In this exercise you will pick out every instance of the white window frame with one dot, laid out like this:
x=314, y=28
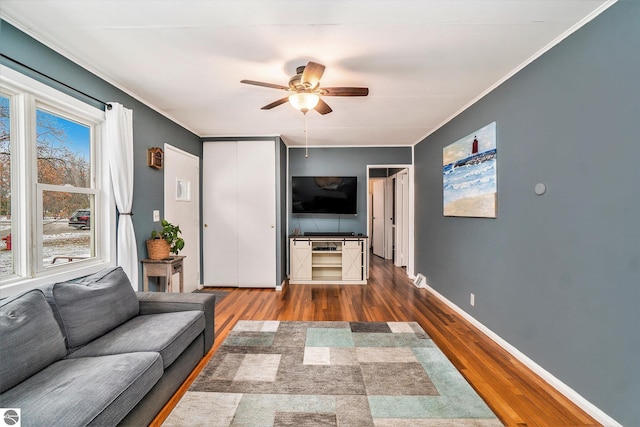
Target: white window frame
x=26, y=95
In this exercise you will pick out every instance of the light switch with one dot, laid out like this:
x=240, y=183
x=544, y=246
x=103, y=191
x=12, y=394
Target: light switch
x=156, y=216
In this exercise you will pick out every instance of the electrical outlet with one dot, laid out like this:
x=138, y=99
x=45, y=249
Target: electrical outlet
x=472, y=300
x=156, y=216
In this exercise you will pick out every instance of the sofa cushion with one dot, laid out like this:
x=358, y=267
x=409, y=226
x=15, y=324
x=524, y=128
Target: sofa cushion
x=92, y=306
x=167, y=333
x=86, y=391
x=164, y=302
x=30, y=338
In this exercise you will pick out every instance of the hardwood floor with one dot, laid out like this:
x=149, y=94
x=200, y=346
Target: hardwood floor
x=517, y=395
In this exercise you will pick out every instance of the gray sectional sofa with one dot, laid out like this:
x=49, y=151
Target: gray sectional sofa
x=94, y=352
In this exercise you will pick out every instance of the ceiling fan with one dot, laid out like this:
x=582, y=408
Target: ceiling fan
x=305, y=90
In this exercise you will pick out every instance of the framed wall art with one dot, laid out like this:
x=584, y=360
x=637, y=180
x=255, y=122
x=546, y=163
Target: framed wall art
x=469, y=175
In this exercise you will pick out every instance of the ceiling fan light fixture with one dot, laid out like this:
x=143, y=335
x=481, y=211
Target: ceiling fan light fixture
x=304, y=101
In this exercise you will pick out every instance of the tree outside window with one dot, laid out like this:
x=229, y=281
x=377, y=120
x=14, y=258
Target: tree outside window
x=63, y=153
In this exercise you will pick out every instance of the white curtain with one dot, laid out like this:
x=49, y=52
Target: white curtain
x=120, y=148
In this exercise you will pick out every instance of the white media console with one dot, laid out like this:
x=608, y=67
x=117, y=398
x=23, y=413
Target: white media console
x=331, y=260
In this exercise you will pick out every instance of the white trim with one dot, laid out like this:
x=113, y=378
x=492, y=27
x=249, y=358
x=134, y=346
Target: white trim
x=348, y=146
x=213, y=138
x=564, y=389
x=92, y=70
x=584, y=21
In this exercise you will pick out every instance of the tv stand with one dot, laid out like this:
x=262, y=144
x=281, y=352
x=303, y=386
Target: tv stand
x=329, y=259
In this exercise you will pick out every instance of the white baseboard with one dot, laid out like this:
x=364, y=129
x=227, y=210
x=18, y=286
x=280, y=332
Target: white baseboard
x=567, y=391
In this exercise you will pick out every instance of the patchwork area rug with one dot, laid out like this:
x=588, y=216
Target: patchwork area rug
x=306, y=374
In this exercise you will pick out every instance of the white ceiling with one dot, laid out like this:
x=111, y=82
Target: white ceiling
x=423, y=61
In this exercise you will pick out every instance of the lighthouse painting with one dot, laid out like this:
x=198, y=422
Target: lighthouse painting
x=469, y=178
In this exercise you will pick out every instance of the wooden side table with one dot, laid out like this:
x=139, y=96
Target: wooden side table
x=162, y=268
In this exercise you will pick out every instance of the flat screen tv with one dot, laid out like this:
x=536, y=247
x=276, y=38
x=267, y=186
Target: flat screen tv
x=324, y=194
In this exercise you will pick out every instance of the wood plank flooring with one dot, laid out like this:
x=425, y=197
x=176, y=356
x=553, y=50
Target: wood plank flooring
x=516, y=394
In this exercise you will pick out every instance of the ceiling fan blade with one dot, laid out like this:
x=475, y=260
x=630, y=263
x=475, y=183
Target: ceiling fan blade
x=275, y=103
x=323, y=107
x=312, y=73
x=345, y=91
x=271, y=85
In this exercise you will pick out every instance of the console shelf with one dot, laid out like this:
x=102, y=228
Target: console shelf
x=328, y=260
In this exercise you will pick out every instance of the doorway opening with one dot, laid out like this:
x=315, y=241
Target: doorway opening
x=390, y=213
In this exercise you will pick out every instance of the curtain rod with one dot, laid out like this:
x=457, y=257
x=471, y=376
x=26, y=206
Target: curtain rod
x=106, y=104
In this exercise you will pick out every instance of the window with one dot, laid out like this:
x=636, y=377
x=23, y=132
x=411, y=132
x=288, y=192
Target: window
x=6, y=252
x=65, y=195
x=56, y=206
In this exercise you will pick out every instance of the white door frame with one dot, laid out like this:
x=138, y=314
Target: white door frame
x=411, y=213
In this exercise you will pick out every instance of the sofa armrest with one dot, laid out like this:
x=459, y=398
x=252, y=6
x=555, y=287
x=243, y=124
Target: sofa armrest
x=161, y=302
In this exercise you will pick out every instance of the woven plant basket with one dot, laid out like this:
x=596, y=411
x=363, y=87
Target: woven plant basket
x=158, y=249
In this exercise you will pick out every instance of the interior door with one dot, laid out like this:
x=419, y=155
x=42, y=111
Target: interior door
x=378, y=218
x=402, y=219
x=389, y=226
x=405, y=218
x=256, y=214
x=182, y=207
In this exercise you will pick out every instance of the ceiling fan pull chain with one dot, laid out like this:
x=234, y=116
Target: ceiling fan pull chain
x=306, y=142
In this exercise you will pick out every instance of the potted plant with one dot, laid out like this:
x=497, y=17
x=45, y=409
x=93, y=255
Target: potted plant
x=165, y=241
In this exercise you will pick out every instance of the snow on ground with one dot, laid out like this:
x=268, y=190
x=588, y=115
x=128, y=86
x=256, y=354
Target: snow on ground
x=58, y=240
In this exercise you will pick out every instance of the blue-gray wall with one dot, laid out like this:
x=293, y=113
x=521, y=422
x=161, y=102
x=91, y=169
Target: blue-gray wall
x=557, y=275
x=150, y=129
x=344, y=161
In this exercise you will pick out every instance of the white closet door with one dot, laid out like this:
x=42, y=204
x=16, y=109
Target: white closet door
x=256, y=214
x=220, y=213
